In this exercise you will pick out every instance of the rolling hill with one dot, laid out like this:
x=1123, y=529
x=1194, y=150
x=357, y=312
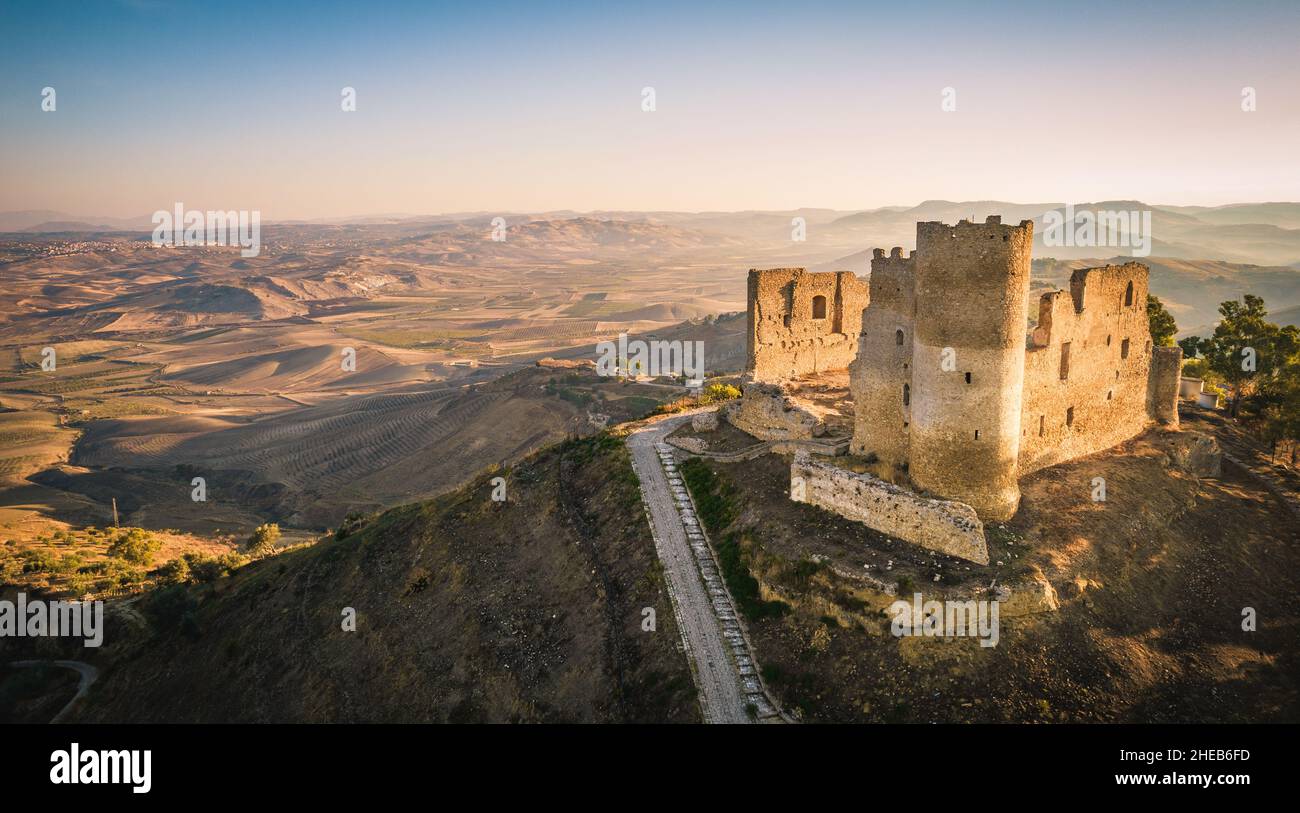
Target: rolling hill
x=467, y=610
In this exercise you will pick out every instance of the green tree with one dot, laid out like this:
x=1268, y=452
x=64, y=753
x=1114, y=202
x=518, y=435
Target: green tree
x=177, y=571
x=1247, y=350
x=1162, y=323
x=1191, y=346
x=1277, y=405
x=263, y=540
x=135, y=545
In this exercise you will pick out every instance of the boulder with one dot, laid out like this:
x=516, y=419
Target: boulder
x=1036, y=595
x=1196, y=453
x=705, y=421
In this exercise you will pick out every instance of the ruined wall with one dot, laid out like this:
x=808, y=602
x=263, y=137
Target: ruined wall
x=767, y=412
x=948, y=527
x=1164, y=383
x=968, y=352
x=880, y=377
x=802, y=323
x=1087, y=367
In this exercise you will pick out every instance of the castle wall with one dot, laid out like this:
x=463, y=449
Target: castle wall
x=880, y=378
x=1164, y=384
x=1090, y=396
x=786, y=338
x=968, y=353
x=940, y=525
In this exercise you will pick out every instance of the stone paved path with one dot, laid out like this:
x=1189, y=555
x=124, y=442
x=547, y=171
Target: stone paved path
x=720, y=656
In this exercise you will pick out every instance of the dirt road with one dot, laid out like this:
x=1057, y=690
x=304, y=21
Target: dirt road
x=89, y=675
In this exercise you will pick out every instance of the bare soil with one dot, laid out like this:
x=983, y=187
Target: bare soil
x=468, y=610
x=1153, y=584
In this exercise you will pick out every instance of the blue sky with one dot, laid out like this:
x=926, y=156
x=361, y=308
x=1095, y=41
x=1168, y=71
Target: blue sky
x=511, y=107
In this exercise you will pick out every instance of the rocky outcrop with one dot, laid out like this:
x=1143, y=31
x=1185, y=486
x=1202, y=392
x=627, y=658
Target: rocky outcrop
x=1196, y=453
x=1030, y=597
x=768, y=412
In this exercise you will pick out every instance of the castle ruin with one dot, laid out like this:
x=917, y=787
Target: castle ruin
x=947, y=385
x=950, y=388
x=801, y=323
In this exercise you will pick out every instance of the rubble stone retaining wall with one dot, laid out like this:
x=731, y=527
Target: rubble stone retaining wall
x=940, y=525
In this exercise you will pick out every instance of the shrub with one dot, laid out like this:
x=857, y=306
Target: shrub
x=169, y=606
x=353, y=522
x=262, y=542
x=135, y=545
x=39, y=561
x=69, y=563
x=718, y=392
x=177, y=571
x=206, y=569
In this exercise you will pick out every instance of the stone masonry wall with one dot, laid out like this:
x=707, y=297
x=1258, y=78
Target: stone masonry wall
x=880, y=378
x=940, y=525
x=1163, y=384
x=968, y=351
x=1086, y=379
x=801, y=323
x=1087, y=367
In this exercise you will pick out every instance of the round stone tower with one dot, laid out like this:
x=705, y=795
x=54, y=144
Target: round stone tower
x=968, y=362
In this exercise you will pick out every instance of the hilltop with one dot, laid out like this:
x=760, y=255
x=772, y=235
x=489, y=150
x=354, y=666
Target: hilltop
x=467, y=610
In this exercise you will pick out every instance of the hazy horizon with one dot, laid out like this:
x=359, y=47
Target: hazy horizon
x=325, y=219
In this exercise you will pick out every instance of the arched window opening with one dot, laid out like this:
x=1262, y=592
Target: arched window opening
x=1128, y=296
x=898, y=338
x=907, y=395
x=819, y=307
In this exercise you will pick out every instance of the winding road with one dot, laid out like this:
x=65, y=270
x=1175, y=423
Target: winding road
x=89, y=674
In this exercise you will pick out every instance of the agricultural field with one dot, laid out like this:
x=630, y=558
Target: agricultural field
x=344, y=370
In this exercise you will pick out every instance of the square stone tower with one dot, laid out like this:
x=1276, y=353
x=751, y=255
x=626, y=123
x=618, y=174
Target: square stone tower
x=801, y=323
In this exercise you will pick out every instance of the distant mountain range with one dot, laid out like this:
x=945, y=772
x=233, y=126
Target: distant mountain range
x=1199, y=256
x=1255, y=233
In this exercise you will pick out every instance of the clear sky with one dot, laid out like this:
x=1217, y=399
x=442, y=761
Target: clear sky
x=500, y=106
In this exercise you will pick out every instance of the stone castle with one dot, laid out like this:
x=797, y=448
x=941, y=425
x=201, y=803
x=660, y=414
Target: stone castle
x=949, y=386
x=801, y=323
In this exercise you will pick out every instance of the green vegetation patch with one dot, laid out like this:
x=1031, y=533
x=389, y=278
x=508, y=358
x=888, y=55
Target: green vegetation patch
x=714, y=499
x=715, y=504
